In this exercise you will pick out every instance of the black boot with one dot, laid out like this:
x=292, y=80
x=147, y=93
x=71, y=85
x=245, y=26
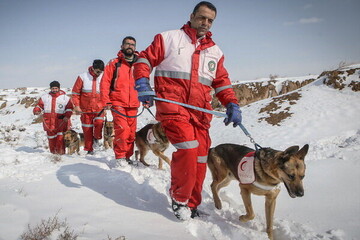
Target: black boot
x=181, y=211
x=194, y=213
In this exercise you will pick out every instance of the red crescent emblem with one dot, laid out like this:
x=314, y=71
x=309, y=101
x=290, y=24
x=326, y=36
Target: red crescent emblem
x=241, y=165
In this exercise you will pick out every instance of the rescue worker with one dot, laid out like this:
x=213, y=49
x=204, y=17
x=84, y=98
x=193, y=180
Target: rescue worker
x=86, y=99
x=118, y=94
x=56, y=107
x=188, y=64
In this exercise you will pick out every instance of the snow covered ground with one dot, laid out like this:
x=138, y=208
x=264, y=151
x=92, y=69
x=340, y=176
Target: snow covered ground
x=101, y=203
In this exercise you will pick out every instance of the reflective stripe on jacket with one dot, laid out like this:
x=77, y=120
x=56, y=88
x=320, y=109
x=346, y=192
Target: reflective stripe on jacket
x=86, y=92
x=187, y=69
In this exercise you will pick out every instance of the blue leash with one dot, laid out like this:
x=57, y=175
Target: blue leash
x=215, y=113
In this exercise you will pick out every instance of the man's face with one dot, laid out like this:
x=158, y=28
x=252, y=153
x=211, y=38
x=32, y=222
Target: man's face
x=97, y=71
x=128, y=48
x=202, y=20
x=54, y=89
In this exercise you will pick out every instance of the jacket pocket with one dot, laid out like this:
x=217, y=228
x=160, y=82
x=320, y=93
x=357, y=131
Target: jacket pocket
x=169, y=93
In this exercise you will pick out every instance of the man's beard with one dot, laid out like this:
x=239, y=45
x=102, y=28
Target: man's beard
x=128, y=53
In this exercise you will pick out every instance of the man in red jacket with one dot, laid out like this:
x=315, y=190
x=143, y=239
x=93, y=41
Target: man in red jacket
x=188, y=65
x=57, y=109
x=86, y=99
x=118, y=94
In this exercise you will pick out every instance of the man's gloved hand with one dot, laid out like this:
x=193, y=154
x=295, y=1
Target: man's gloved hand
x=233, y=113
x=145, y=93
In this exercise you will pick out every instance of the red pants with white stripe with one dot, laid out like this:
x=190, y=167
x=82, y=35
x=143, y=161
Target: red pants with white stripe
x=56, y=142
x=92, y=128
x=188, y=165
x=125, y=130
x=56, y=137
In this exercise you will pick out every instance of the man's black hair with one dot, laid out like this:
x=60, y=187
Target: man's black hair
x=54, y=84
x=204, y=3
x=128, y=37
x=98, y=64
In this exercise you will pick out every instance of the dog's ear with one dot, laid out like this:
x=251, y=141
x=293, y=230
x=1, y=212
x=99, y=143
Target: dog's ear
x=291, y=150
x=303, y=151
x=285, y=155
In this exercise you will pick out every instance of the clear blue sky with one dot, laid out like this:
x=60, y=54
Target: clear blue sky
x=46, y=40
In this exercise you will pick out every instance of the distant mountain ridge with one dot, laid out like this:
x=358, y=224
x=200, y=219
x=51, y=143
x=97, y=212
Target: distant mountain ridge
x=253, y=91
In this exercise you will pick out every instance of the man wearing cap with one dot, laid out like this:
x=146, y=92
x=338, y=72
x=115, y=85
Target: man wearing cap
x=57, y=109
x=86, y=99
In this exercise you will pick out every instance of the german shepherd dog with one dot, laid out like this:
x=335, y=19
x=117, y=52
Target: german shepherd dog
x=109, y=134
x=271, y=167
x=152, y=137
x=73, y=141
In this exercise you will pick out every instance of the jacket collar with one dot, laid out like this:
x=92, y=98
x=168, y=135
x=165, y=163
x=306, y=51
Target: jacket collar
x=60, y=92
x=121, y=57
x=205, y=42
x=92, y=73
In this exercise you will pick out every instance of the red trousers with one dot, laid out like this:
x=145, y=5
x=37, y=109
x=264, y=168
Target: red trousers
x=56, y=137
x=188, y=165
x=56, y=142
x=92, y=128
x=125, y=130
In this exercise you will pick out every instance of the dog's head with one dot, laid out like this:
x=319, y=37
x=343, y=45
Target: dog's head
x=289, y=167
x=69, y=137
x=109, y=128
x=157, y=128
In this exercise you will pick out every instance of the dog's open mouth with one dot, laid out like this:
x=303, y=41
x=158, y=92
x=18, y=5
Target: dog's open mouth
x=291, y=194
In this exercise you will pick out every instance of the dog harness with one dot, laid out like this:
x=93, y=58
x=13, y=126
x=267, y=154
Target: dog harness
x=246, y=172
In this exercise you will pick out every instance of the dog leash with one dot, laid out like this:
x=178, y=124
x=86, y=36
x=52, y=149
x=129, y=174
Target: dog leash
x=116, y=111
x=98, y=113
x=148, y=108
x=215, y=113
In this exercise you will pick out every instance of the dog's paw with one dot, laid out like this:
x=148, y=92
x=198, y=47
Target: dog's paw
x=246, y=218
x=218, y=206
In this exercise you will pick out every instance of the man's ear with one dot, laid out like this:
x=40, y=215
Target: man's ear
x=191, y=16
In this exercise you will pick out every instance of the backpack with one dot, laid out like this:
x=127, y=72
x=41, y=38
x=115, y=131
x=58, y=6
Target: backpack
x=117, y=65
x=112, y=85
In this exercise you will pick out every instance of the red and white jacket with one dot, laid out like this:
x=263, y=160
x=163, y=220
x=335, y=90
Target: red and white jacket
x=187, y=69
x=86, y=92
x=55, y=106
x=123, y=93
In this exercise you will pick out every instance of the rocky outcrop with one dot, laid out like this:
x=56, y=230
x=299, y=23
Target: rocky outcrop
x=341, y=78
x=250, y=92
x=289, y=86
x=284, y=91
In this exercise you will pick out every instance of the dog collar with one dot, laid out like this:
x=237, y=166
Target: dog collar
x=265, y=187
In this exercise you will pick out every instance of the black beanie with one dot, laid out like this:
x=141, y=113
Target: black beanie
x=54, y=84
x=98, y=64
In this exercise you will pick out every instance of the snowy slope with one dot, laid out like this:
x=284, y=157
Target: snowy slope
x=99, y=202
